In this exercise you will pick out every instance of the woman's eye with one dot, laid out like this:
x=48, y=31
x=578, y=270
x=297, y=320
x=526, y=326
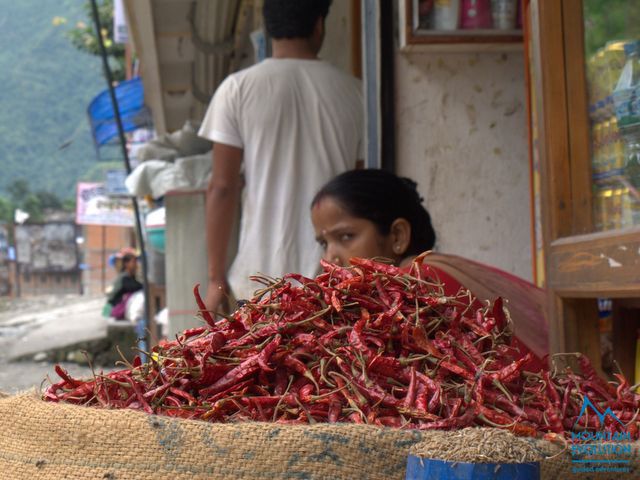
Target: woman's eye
x=323, y=244
x=345, y=237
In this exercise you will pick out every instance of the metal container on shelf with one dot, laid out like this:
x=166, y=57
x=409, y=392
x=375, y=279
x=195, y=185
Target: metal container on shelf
x=504, y=14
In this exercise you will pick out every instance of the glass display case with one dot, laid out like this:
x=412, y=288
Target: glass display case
x=461, y=22
x=612, y=65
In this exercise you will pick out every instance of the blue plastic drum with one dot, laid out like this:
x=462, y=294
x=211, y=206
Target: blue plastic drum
x=427, y=469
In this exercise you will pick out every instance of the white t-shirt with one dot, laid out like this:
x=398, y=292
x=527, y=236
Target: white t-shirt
x=300, y=123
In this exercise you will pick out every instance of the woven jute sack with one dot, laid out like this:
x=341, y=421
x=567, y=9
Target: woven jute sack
x=41, y=440
x=54, y=441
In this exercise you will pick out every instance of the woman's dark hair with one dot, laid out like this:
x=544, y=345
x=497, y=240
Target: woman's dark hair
x=293, y=18
x=382, y=197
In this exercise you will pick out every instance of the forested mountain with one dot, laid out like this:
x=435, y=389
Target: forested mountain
x=46, y=85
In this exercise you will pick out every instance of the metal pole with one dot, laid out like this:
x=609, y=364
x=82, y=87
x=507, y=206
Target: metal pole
x=371, y=50
x=103, y=267
x=143, y=341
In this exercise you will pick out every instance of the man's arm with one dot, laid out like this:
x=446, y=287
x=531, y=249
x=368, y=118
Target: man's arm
x=222, y=201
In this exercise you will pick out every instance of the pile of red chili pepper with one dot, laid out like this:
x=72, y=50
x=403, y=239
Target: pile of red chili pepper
x=370, y=343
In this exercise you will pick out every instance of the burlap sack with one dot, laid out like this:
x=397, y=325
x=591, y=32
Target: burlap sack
x=49, y=441
x=46, y=441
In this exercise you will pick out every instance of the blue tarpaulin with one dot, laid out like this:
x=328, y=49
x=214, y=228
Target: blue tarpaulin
x=133, y=113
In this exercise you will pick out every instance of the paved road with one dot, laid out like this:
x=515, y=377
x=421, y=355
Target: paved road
x=30, y=327
x=19, y=376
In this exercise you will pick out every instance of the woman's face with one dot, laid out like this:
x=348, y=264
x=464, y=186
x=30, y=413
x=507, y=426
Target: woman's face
x=343, y=236
x=131, y=265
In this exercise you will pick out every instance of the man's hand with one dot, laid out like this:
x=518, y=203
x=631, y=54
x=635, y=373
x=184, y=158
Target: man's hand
x=217, y=299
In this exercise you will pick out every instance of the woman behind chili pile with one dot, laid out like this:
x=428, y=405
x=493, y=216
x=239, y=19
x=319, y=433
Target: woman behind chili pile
x=371, y=213
x=374, y=213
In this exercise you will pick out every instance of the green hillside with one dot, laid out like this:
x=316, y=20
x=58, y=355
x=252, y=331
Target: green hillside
x=45, y=88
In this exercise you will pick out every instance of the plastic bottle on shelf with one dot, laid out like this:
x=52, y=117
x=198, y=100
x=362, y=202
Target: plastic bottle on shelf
x=602, y=206
x=476, y=14
x=598, y=208
x=613, y=63
x=627, y=208
x=605, y=144
x=616, y=160
x=632, y=172
x=599, y=80
x=628, y=87
x=605, y=321
x=446, y=14
x=596, y=139
x=615, y=220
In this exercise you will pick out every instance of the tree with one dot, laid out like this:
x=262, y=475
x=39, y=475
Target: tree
x=6, y=210
x=34, y=203
x=607, y=20
x=69, y=205
x=18, y=191
x=48, y=200
x=33, y=207
x=84, y=37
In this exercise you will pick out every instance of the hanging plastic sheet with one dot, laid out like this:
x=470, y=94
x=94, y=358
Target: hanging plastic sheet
x=133, y=113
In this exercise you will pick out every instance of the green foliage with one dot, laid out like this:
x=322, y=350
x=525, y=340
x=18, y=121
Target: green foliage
x=48, y=200
x=84, y=37
x=47, y=85
x=34, y=203
x=607, y=20
x=6, y=210
x=18, y=191
x=69, y=205
x=33, y=207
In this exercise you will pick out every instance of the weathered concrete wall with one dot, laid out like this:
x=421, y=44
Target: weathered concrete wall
x=336, y=48
x=462, y=135
x=186, y=258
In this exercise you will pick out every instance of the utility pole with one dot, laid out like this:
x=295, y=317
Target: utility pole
x=142, y=333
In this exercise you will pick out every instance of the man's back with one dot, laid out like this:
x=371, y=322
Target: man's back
x=299, y=123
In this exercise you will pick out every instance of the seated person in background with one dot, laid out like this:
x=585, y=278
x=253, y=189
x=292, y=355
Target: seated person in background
x=124, y=285
x=374, y=213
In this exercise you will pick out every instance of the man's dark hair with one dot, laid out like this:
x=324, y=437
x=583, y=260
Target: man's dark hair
x=382, y=197
x=293, y=18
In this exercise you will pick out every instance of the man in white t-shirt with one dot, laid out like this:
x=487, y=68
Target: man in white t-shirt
x=291, y=122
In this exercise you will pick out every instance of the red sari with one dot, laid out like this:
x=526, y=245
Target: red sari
x=525, y=302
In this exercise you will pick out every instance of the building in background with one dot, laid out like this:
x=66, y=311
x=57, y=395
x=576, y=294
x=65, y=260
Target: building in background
x=47, y=260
